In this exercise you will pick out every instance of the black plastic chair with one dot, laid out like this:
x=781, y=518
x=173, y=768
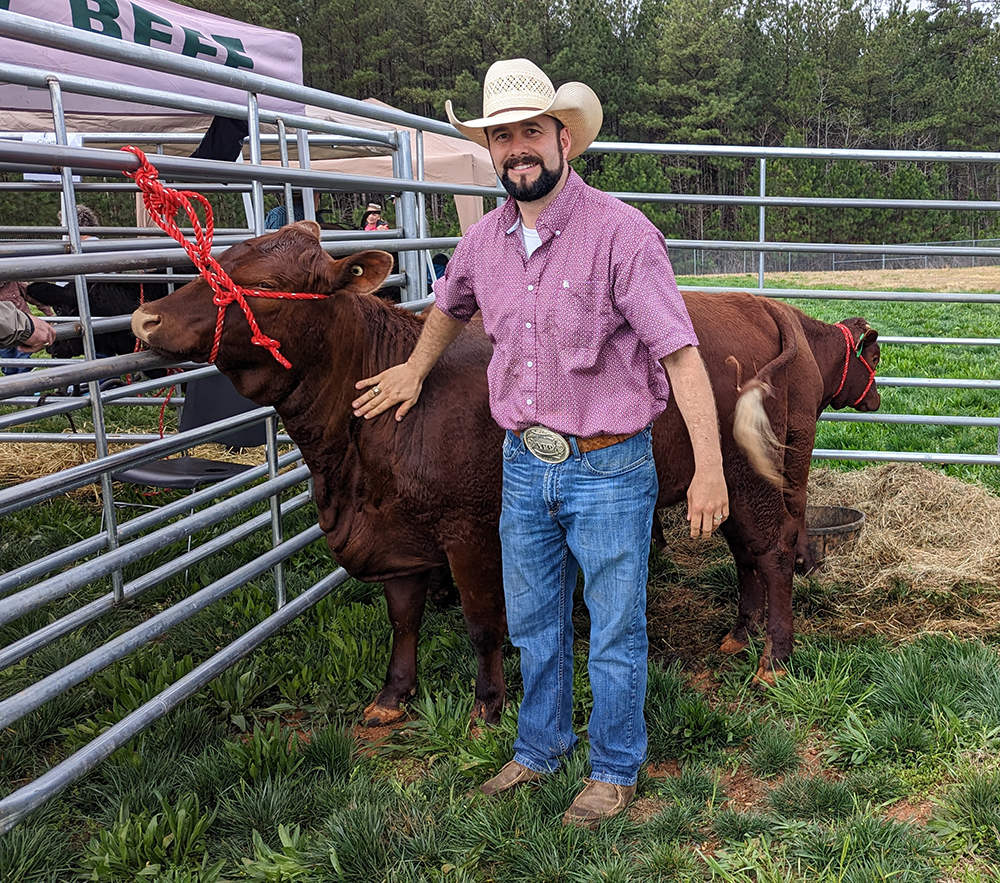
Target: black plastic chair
x=205, y=401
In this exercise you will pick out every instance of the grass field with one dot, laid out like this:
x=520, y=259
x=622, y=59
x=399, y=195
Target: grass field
x=874, y=760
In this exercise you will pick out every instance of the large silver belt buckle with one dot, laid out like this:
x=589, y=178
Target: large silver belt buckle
x=548, y=446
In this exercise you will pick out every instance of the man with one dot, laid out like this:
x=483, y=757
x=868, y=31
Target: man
x=277, y=217
x=578, y=296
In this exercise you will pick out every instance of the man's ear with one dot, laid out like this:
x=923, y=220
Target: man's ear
x=565, y=141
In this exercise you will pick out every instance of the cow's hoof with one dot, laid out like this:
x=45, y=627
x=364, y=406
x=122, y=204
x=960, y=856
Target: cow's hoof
x=383, y=715
x=767, y=675
x=731, y=646
x=482, y=714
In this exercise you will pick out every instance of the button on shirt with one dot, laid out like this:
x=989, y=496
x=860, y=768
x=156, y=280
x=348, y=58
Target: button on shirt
x=579, y=327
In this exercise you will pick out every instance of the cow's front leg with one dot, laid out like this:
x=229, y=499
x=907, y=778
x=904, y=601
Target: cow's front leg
x=480, y=583
x=406, y=597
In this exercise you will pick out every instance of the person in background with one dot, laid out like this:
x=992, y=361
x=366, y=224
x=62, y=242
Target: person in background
x=591, y=337
x=372, y=218
x=85, y=217
x=277, y=217
x=13, y=293
x=28, y=333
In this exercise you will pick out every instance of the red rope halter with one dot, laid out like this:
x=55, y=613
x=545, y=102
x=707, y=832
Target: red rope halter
x=847, y=364
x=163, y=203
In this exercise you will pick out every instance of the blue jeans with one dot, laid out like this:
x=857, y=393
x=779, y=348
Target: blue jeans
x=592, y=512
x=12, y=352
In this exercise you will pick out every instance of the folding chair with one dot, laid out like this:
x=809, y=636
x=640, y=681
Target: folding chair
x=205, y=401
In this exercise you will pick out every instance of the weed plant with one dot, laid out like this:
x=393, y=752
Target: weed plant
x=773, y=752
x=731, y=826
x=867, y=849
x=35, y=852
x=695, y=787
x=969, y=816
x=680, y=722
x=331, y=751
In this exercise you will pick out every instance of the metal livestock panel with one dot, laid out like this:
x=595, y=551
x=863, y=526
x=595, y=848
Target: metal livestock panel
x=279, y=480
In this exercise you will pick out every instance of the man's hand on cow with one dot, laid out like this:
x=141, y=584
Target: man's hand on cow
x=398, y=385
x=708, y=502
x=41, y=337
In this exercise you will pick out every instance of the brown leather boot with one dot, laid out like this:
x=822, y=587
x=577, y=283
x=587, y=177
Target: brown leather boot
x=512, y=775
x=596, y=802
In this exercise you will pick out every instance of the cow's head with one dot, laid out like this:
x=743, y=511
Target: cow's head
x=861, y=357
x=182, y=325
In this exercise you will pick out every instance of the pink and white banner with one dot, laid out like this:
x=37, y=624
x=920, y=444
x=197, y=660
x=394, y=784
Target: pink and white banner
x=161, y=25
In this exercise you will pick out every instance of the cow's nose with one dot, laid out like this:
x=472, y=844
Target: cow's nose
x=143, y=323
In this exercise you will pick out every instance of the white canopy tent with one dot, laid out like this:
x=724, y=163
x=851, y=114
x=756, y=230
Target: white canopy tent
x=447, y=160
x=163, y=24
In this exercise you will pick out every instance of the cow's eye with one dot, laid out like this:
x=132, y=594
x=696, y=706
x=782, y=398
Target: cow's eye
x=357, y=270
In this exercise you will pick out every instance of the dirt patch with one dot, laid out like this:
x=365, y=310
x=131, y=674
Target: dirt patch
x=958, y=279
x=371, y=740
x=744, y=792
x=918, y=813
x=669, y=769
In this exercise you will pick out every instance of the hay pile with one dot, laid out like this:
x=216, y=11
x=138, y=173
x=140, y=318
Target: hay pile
x=922, y=527
x=23, y=461
x=926, y=560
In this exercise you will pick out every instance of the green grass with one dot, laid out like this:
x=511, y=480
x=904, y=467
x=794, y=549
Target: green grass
x=261, y=776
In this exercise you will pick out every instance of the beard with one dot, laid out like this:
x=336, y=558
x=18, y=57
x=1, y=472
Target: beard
x=541, y=187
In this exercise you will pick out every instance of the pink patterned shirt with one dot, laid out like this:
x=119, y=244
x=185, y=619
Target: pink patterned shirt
x=579, y=327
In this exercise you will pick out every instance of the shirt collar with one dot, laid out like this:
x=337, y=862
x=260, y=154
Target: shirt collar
x=554, y=216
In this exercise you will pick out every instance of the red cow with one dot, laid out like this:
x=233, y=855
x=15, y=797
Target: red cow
x=397, y=501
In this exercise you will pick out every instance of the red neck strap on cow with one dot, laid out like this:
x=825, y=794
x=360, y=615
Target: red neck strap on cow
x=162, y=203
x=847, y=363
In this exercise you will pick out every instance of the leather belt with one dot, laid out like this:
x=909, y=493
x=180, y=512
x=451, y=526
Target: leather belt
x=554, y=448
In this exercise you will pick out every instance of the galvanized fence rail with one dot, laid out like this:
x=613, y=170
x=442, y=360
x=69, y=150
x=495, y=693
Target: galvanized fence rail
x=59, y=252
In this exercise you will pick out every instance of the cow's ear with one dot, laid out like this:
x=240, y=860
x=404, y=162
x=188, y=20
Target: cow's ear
x=871, y=335
x=361, y=273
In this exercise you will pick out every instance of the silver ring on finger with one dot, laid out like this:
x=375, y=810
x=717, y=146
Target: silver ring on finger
x=375, y=391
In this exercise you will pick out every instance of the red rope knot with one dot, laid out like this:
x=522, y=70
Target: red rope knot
x=163, y=203
x=849, y=339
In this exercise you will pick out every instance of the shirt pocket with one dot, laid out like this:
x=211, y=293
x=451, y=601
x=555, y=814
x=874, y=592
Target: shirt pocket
x=579, y=313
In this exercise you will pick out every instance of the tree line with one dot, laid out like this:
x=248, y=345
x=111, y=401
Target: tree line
x=815, y=73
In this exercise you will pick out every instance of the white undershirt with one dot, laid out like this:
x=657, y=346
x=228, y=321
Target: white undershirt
x=531, y=239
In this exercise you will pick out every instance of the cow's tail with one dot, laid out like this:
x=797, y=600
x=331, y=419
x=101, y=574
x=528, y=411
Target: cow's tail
x=751, y=427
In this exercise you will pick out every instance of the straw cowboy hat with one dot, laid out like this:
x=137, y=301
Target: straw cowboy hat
x=518, y=90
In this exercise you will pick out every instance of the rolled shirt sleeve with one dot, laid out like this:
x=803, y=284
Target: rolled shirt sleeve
x=15, y=327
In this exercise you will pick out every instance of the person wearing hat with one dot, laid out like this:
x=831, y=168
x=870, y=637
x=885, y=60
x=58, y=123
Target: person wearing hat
x=591, y=337
x=277, y=217
x=372, y=218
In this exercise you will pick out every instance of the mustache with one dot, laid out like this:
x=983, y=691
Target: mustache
x=510, y=163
